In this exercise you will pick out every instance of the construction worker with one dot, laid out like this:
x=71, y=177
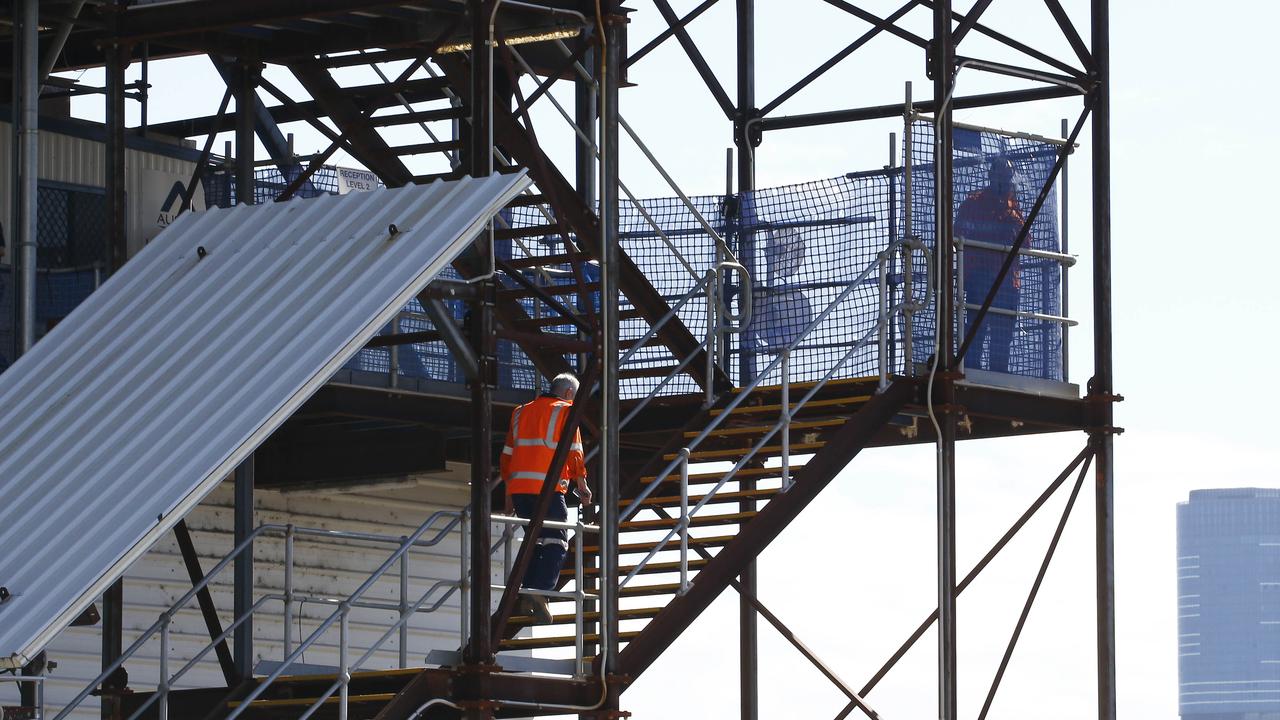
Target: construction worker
x=526, y=457
x=992, y=216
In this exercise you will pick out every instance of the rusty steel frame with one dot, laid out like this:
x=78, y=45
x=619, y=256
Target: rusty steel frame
x=1087, y=77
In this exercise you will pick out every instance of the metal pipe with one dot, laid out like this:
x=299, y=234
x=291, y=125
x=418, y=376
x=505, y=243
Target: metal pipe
x=684, y=520
x=942, y=70
x=404, y=608
x=288, y=590
x=612, y=58
x=28, y=117
x=1102, y=389
x=786, y=419
x=580, y=595
x=163, y=690
x=242, y=646
x=344, y=667
x=1066, y=250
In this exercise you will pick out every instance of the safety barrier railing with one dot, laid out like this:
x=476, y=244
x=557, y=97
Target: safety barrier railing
x=406, y=607
x=35, y=680
x=962, y=244
x=888, y=311
x=162, y=627
x=578, y=595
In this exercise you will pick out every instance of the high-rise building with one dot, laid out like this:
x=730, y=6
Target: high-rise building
x=1229, y=605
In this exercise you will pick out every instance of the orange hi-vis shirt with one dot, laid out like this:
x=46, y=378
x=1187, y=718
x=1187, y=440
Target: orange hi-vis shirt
x=531, y=445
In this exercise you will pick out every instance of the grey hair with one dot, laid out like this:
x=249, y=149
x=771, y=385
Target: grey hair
x=563, y=383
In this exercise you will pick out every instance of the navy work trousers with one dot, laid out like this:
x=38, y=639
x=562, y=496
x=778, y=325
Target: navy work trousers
x=552, y=546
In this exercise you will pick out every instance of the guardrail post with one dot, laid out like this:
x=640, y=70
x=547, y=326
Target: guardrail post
x=163, y=689
x=465, y=586
x=580, y=596
x=344, y=669
x=786, y=419
x=684, y=520
x=908, y=309
x=882, y=321
x=288, y=591
x=404, y=604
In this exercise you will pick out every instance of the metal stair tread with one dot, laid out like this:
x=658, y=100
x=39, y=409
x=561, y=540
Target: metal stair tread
x=709, y=541
x=535, y=643
x=757, y=429
x=307, y=702
x=667, y=500
x=652, y=568
x=777, y=407
x=696, y=521
x=767, y=450
x=715, y=476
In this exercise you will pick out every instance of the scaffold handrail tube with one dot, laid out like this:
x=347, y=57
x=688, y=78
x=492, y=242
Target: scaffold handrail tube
x=578, y=595
x=720, y=243
x=784, y=420
x=38, y=681
x=288, y=531
x=750, y=387
x=585, y=140
x=1062, y=258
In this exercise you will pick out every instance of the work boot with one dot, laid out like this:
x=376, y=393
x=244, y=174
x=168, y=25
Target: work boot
x=539, y=610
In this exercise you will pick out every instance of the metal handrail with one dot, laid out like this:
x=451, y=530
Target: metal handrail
x=162, y=625
x=681, y=461
x=341, y=616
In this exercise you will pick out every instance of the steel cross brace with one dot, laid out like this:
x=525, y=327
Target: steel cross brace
x=695, y=56
x=1035, y=589
x=756, y=535
x=787, y=633
x=982, y=564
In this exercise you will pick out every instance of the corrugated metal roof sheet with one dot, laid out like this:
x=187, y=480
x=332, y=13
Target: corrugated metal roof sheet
x=130, y=411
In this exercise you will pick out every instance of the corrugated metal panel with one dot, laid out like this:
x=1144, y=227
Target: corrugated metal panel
x=323, y=567
x=140, y=402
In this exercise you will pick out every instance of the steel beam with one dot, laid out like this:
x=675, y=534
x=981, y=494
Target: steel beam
x=112, y=647
x=973, y=574
x=478, y=653
x=210, y=611
x=265, y=126
x=370, y=148
x=1101, y=390
x=246, y=86
x=149, y=22
x=242, y=571
x=117, y=249
x=1031, y=595
x=879, y=112
x=941, y=67
x=852, y=47
x=745, y=142
x=27, y=138
x=611, y=288
x=669, y=31
x=756, y=535
x=695, y=56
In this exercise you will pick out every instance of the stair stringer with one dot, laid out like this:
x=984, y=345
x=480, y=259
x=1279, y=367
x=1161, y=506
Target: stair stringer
x=756, y=535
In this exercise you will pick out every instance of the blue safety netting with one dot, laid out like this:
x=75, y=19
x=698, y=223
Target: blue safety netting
x=804, y=246
x=268, y=183
x=1018, y=345
x=58, y=292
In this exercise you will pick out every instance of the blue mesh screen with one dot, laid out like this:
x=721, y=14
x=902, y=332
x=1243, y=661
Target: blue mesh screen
x=1019, y=345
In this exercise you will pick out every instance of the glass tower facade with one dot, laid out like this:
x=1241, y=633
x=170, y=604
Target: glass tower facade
x=1229, y=605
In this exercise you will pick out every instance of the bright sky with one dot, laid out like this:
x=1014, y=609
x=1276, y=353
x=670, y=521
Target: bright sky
x=856, y=574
